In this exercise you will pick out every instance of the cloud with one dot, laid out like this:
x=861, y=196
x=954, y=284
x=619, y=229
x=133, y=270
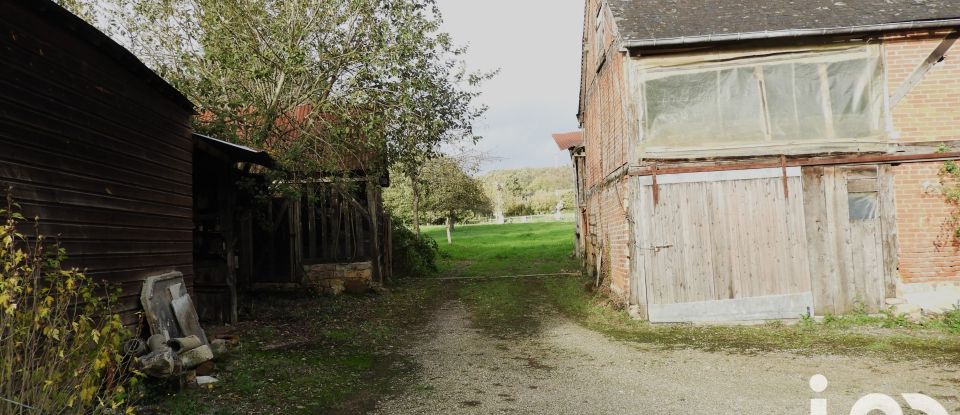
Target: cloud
x=536, y=46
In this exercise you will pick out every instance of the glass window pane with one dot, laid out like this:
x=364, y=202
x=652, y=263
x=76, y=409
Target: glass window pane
x=863, y=206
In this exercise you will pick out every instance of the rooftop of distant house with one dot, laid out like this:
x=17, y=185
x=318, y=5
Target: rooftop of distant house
x=566, y=141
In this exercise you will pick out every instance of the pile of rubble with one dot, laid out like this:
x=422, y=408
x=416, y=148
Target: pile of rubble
x=177, y=345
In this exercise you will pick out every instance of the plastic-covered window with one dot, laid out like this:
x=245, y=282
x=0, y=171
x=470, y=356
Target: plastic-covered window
x=863, y=206
x=796, y=98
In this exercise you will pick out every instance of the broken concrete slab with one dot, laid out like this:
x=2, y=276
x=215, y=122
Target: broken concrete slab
x=168, y=308
x=187, y=318
x=206, y=380
x=195, y=357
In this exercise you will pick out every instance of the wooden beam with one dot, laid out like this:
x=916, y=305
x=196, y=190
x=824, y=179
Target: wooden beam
x=654, y=170
x=935, y=57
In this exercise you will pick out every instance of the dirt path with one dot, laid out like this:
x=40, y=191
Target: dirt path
x=563, y=368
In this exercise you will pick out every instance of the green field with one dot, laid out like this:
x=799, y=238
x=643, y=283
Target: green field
x=510, y=249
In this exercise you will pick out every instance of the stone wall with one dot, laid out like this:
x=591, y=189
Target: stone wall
x=335, y=279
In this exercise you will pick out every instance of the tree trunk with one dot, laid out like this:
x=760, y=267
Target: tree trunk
x=416, y=205
x=449, y=230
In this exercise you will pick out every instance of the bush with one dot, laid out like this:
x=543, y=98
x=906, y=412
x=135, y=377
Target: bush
x=413, y=255
x=59, y=343
x=951, y=320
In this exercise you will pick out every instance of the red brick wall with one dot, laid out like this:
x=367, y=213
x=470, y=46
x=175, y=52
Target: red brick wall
x=607, y=144
x=930, y=113
x=928, y=253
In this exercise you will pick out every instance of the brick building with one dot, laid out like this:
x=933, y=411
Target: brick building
x=754, y=161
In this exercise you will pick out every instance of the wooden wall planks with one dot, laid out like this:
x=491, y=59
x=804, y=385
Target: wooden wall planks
x=97, y=152
x=720, y=240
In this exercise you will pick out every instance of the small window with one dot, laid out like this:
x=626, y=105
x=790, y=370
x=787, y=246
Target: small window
x=863, y=206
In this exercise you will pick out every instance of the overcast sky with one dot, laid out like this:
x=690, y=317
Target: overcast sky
x=536, y=45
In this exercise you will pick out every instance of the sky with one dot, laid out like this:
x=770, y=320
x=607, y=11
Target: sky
x=536, y=46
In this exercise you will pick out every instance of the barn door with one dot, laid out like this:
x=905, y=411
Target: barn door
x=724, y=246
x=844, y=211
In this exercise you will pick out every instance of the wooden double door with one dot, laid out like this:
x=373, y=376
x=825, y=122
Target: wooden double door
x=759, y=244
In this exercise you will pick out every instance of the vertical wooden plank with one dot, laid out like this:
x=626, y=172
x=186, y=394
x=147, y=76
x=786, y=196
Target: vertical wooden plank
x=702, y=248
x=888, y=229
x=867, y=256
x=846, y=284
x=296, y=241
x=640, y=229
x=799, y=265
x=821, y=258
x=372, y=207
x=336, y=216
x=718, y=216
x=311, y=221
x=246, y=250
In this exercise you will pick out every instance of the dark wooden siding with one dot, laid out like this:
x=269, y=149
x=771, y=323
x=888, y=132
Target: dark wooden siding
x=94, y=148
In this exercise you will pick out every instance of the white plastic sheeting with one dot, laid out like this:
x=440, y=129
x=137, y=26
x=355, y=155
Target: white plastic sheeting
x=763, y=98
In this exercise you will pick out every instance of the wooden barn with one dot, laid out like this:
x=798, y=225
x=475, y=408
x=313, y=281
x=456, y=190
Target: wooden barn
x=763, y=164
x=97, y=146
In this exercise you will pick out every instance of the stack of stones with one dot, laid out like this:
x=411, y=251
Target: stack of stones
x=335, y=279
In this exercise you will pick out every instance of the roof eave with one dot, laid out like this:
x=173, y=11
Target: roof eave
x=793, y=33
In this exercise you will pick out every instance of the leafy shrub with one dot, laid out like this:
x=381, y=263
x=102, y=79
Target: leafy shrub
x=413, y=255
x=59, y=343
x=951, y=320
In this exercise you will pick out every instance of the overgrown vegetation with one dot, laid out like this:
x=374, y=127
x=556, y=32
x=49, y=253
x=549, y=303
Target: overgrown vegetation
x=413, y=255
x=59, y=340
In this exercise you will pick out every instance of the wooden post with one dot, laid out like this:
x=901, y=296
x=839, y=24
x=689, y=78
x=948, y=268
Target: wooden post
x=654, y=186
x=786, y=180
x=374, y=231
x=311, y=222
x=246, y=251
x=388, y=247
x=888, y=229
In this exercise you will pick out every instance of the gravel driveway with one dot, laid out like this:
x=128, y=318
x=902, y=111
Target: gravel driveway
x=564, y=368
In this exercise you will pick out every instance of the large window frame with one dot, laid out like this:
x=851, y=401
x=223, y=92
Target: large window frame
x=747, y=118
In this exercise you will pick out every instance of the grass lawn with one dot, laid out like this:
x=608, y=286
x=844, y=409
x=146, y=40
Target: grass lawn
x=509, y=249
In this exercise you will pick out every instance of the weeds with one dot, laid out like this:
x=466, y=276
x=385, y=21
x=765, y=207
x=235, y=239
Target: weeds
x=845, y=335
x=59, y=341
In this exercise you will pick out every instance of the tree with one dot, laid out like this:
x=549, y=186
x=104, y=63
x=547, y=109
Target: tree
x=320, y=84
x=451, y=193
